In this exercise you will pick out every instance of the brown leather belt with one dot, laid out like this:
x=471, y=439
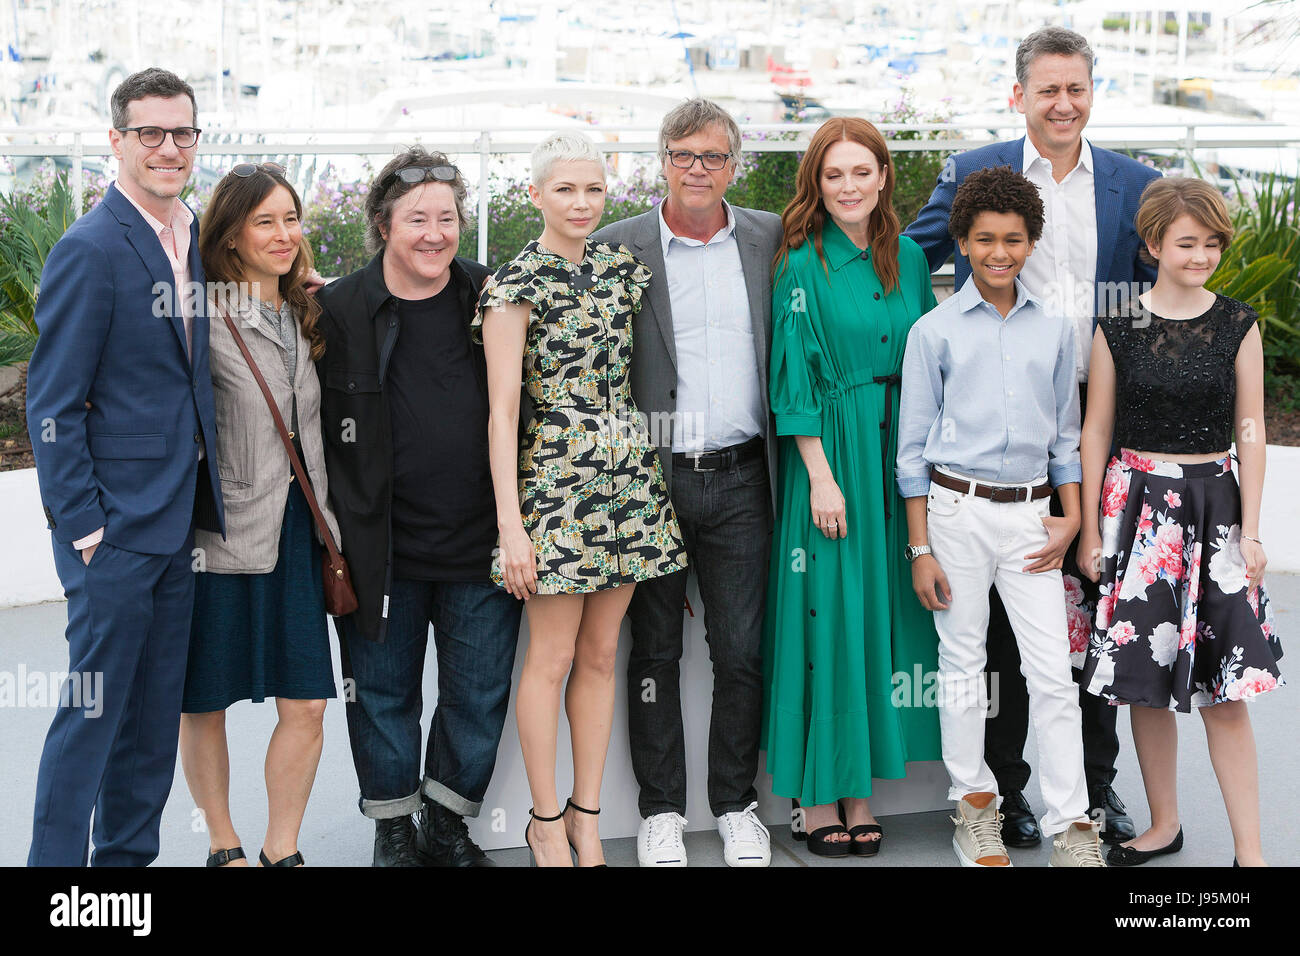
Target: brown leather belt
x=991, y=492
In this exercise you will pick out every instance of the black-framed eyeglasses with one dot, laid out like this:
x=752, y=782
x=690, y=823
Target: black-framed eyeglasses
x=152, y=136
x=420, y=174
x=685, y=159
x=244, y=170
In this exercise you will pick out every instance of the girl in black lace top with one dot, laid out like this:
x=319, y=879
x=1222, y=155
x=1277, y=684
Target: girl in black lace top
x=1183, y=619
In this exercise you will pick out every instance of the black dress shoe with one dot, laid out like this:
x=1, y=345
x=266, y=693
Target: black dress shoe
x=395, y=842
x=443, y=839
x=1128, y=856
x=1117, y=825
x=1019, y=828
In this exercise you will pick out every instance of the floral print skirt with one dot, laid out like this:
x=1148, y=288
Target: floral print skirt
x=1176, y=625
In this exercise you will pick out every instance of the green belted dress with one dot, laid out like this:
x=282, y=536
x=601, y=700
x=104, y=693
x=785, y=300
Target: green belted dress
x=848, y=649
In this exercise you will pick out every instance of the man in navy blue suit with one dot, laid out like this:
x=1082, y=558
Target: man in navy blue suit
x=119, y=404
x=1087, y=257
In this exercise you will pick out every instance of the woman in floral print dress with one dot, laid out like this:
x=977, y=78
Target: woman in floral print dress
x=1182, y=619
x=582, y=509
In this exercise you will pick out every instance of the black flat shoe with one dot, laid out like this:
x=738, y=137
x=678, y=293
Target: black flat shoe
x=1128, y=856
x=222, y=857
x=293, y=860
x=1116, y=825
x=595, y=813
x=865, y=847
x=1019, y=828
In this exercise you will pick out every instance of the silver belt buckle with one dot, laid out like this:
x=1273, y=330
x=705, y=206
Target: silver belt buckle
x=695, y=457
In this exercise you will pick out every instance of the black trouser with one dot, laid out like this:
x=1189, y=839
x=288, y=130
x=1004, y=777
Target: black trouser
x=1004, y=734
x=726, y=522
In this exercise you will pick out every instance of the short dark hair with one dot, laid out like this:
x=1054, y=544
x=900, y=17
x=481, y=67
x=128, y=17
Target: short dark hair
x=151, y=82
x=999, y=189
x=387, y=189
x=1050, y=41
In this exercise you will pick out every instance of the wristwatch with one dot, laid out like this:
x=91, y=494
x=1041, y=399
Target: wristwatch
x=912, y=553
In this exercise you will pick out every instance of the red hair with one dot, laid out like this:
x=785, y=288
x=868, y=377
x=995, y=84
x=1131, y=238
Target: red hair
x=805, y=215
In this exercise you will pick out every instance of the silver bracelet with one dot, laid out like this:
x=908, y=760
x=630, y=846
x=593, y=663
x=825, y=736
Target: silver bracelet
x=1256, y=540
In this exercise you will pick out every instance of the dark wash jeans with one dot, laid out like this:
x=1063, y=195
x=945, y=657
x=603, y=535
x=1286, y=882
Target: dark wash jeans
x=726, y=521
x=476, y=628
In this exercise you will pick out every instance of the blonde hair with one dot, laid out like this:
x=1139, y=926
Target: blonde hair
x=1164, y=200
x=565, y=146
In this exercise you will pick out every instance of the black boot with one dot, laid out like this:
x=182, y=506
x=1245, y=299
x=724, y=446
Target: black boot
x=1117, y=825
x=1019, y=828
x=395, y=842
x=443, y=839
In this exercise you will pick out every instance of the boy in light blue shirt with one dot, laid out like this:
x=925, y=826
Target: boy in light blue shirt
x=988, y=424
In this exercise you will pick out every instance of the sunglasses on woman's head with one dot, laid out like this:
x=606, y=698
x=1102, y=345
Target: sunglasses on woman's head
x=244, y=170
x=420, y=174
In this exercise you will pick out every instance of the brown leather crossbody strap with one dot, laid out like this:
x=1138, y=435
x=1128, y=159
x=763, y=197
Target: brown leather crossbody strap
x=321, y=526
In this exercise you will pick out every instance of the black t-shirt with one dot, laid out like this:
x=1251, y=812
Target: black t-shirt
x=444, y=514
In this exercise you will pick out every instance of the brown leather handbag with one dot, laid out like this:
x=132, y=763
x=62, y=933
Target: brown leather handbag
x=340, y=599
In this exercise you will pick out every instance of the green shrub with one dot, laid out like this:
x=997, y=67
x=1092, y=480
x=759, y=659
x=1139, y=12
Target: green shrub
x=1262, y=266
x=31, y=222
x=334, y=222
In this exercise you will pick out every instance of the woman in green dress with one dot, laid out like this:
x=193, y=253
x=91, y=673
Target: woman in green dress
x=842, y=618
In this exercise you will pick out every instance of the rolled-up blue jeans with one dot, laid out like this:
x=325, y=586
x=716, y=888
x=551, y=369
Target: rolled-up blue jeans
x=475, y=631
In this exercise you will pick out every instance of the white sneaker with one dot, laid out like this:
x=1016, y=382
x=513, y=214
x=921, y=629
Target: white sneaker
x=659, y=840
x=745, y=840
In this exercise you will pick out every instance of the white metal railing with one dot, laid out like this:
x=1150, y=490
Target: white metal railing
x=1183, y=138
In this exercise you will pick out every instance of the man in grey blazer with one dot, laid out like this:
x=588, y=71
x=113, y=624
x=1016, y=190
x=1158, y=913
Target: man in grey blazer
x=699, y=373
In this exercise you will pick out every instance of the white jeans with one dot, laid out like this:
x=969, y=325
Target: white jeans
x=979, y=543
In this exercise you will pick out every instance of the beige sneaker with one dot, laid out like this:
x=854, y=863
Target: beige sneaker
x=978, y=839
x=1075, y=846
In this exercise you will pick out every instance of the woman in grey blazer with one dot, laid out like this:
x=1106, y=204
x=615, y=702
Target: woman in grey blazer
x=259, y=627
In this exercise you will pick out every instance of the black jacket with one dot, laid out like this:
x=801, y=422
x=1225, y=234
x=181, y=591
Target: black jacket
x=359, y=320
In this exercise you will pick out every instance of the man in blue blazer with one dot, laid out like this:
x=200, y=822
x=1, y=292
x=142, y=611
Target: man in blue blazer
x=119, y=405
x=1087, y=258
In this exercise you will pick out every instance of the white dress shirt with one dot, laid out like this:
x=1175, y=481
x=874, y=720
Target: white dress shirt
x=719, y=400
x=1061, y=272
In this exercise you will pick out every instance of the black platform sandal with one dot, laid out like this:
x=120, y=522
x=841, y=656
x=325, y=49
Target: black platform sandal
x=294, y=860
x=222, y=857
x=801, y=834
x=595, y=813
x=532, y=855
x=865, y=847
x=819, y=845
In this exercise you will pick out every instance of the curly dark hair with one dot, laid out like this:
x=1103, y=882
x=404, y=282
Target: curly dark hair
x=1000, y=189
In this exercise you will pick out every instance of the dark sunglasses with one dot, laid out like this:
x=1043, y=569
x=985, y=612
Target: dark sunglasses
x=244, y=170
x=420, y=174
